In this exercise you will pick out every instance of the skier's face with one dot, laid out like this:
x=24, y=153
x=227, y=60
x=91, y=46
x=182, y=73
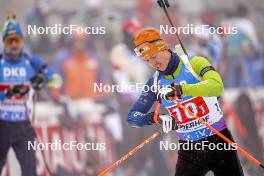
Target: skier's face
x=13, y=46
x=158, y=60
x=13, y=42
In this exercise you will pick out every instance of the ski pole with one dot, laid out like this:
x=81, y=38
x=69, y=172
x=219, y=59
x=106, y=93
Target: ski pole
x=129, y=154
x=137, y=148
x=165, y=4
x=241, y=150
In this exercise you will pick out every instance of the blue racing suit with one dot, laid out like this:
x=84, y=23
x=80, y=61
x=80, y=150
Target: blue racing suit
x=15, y=126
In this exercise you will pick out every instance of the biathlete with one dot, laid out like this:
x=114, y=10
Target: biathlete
x=196, y=84
x=20, y=76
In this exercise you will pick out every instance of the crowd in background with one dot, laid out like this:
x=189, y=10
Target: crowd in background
x=239, y=57
x=84, y=60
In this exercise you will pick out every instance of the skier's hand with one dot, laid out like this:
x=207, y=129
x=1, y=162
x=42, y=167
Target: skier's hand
x=168, y=92
x=17, y=90
x=168, y=123
x=38, y=82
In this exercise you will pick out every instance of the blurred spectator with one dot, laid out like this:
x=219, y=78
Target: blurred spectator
x=261, y=43
x=80, y=71
x=92, y=11
x=246, y=30
x=247, y=70
x=250, y=139
x=144, y=10
x=242, y=61
x=253, y=65
x=208, y=45
x=127, y=67
x=62, y=53
x=38, y=16
x=261, y=55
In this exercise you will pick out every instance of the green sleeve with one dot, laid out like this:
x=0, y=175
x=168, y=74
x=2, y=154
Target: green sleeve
x=211, y=83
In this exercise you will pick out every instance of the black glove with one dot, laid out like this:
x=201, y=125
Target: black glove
x=17, y=90
x=38, y=82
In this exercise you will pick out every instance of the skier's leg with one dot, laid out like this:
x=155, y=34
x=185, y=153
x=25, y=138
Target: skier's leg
x=191, y=163
x=4, y=147
x=26, y=157
x=225, y=162
x=228, y=165
x=5, y=143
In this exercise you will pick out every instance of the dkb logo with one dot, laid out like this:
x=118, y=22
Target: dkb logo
x=14, y=72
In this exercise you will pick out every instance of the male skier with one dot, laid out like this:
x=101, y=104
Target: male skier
x=20, y=75
x=196, y=85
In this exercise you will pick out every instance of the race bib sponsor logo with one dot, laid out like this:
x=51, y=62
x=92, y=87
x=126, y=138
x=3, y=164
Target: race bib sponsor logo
x=14, y=72
x=192, y=125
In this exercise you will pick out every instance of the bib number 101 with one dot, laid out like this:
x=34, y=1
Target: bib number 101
x=196, y=105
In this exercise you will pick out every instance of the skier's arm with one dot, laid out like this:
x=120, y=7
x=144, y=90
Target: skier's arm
x=53, y=78
x=211, y=84
x=138, y=115
x=41, y=67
